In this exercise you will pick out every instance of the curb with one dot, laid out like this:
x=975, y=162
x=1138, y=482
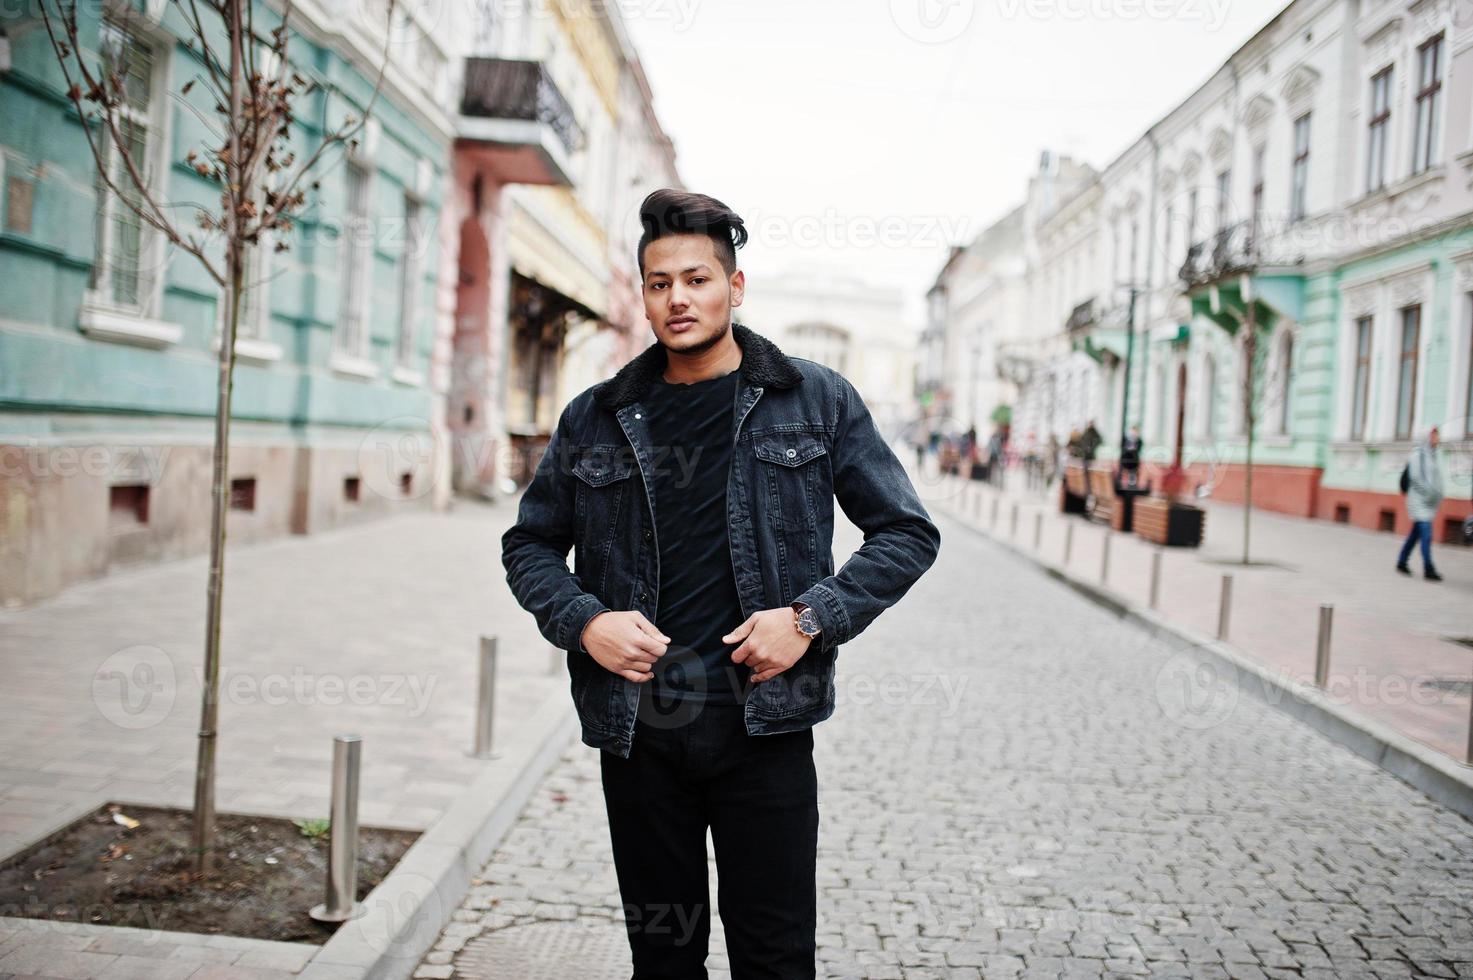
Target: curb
x=1442, y=779
x=405, y=913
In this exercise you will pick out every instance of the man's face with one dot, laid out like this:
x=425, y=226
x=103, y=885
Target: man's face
x=688, y=297
x=1434, y=438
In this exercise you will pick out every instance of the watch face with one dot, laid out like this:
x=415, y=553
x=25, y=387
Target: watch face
x=808, y=622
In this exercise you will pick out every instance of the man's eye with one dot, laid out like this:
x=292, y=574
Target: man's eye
x=698, y=280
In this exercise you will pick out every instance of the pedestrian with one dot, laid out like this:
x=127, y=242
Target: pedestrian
x=1422, y=483
x=1130, y=458
x=703, y=616
x=995, y=458
x=1089, y=445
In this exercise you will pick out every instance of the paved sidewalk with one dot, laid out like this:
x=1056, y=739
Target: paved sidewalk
x=1393, y=651
x=1017, y=783
x=372, y=630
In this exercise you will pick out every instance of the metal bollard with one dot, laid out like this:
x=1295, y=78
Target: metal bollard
x=1013, y=530
x=1037, y=531
x=342, y=846
x=1105, y=560
x=1225, y=608
x=1156, y=579
x=1068, y=543
x=995, y=502
x=486, y=699
x=1470, y=735
x=1322, y=647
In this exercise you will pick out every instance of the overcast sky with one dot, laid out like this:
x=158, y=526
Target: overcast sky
x=865, y=136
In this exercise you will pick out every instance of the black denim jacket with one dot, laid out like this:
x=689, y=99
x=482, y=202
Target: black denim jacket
x=803, y=438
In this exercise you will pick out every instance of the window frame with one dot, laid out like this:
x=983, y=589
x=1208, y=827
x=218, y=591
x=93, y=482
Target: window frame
x=1406, y=383
x=1425, y=130
x=352, y=340
x=1378, y=132
x=1360, y=393
x=100, y=292
x=1299, y=170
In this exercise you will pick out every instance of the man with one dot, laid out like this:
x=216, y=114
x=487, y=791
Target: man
x=1424, y=496
x=703, y=617
x=1130, y=458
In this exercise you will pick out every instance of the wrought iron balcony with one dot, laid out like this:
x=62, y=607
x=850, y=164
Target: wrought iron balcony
x=520, y=91
x=1232, y=251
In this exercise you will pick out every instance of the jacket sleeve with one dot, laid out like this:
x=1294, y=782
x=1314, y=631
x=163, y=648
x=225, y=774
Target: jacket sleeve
x=534, y=550
x=900, y=541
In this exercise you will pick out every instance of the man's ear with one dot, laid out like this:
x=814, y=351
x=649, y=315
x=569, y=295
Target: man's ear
x=738, y=287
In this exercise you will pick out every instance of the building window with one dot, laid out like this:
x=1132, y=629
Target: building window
x=1360, y=391
x=1406, y=380
x=352, y=338
x=1192, y=218
x=122, y=274
x=1209, y=397
x=1258, y=154
x=1300, y=179
x=127, y=505
x=410, y=272
x=1380, y=124
x=1429, y=98
x=1468, y=393
x=1158, y=427
x=1224, y=192
x=1286, y=382
x=1166, y=246
x=243, y=493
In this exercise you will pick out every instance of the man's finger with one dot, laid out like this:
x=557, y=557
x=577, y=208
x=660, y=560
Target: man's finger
x=741, y=653
x=649, y=627
x=740, y=633
x=648, y=644
x=635, y=676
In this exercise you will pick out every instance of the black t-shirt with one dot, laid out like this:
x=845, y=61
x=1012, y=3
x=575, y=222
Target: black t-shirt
x=691, y=426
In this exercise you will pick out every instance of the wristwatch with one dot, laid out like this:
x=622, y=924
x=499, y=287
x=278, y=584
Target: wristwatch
x=805, y=620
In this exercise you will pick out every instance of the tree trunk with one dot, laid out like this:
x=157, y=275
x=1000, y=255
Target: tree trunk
x=204, y=775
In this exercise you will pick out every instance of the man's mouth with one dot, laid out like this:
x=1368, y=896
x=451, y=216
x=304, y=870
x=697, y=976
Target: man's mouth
x=680, y=322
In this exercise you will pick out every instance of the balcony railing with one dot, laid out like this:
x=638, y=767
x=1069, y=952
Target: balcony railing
x=500, y=88
x=1241, y=248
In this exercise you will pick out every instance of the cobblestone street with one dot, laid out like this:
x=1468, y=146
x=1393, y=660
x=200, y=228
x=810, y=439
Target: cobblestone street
x=1015, y=783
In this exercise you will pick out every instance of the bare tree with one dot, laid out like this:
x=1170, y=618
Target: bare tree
x=250, y=91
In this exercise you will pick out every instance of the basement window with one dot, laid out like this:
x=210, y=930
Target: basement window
x=243, y=493
x=128, y=505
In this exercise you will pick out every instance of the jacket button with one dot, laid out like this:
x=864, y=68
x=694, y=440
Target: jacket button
x=647, y=534
x=644, y=596
x=792, y=453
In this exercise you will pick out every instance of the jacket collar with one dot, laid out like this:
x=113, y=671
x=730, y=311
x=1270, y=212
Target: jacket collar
x=763, y=364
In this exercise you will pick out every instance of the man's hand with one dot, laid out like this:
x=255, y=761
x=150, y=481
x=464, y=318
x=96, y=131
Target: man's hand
x=770, y=643
x=625, y=643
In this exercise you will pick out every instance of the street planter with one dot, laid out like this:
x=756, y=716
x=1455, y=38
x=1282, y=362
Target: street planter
x=1169, y=523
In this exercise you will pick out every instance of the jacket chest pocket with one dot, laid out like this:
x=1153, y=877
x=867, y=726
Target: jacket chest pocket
x=603, y=491
x=793, y=470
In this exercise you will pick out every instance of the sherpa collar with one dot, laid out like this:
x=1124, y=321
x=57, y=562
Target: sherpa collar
x=762, y=364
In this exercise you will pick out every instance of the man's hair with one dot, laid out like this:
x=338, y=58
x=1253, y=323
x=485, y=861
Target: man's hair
x=675, y=212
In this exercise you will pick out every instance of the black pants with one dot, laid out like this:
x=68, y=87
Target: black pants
x=759, y=796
